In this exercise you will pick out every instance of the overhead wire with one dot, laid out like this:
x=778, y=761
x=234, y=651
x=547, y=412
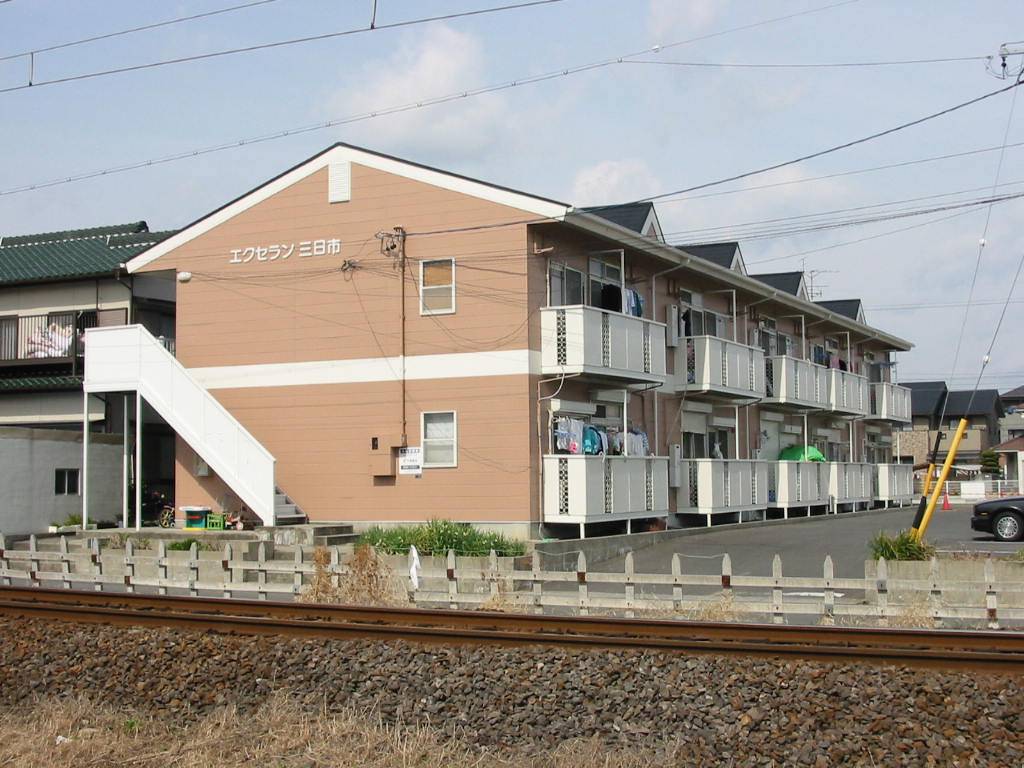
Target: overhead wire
x=397, y=109
x=132, y=30
x=276, y=44
x=808, y=65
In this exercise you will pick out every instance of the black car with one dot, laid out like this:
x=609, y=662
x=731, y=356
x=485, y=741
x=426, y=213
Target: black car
x=1003, y=518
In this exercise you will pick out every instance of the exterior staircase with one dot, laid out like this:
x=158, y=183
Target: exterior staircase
x=129, y=359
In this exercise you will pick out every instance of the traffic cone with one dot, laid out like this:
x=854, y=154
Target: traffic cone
x=946, y=506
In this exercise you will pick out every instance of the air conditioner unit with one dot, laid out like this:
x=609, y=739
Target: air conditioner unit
x=672, y=325
x=675, y=465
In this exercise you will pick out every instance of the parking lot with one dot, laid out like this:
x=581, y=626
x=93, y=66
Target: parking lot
x=803, y=544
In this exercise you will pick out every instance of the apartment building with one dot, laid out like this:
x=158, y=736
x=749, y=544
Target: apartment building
x=54, y=286
x=364, y=338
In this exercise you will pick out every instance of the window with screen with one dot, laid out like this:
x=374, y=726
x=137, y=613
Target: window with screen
x=440, y=442
x=437, y=287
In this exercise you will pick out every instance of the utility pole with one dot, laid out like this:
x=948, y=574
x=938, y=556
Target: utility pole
x=392, y=244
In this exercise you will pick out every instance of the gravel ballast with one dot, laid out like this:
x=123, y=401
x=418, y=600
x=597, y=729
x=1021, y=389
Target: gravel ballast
x=723, y=710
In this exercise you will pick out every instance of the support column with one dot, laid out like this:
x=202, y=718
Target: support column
x=736, y=428
x=806, y=435
x=138, y=461
x=125, y=462
x=85, y=461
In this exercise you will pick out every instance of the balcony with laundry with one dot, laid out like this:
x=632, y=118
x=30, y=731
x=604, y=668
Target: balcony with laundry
x=599, y=464
x=596, y=326
x=55, y=340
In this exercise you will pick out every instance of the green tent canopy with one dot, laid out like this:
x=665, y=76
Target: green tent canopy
x=801, y=453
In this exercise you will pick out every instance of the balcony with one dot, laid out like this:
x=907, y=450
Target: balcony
x=56, y=337
x=849, y=393
x=798, y=484
x=851, y=483
x=718, y=369
x=795, y=384
x=714, y=486
x=587, y=340
x=890, y=402
x=590, y=489
x=894, y=483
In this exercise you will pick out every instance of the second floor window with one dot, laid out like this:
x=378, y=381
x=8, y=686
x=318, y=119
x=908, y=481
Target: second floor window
x=605, y=285
x=566, y=286
x=437, y=287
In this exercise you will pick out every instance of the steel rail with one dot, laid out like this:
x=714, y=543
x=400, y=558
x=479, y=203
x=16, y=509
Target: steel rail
x=946, y=649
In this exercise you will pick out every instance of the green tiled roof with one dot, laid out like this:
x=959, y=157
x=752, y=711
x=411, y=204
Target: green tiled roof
x=73, y=253
x=40, y=383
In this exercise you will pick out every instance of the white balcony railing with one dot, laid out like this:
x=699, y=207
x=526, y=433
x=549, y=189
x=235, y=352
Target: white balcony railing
x=709, y=365
x=711, y=486
x=851, y=482
x=890, y=402
x=798, y=484
x=580, y=339
x=849, y=393
x=796, y=383
x=588, y=489
x=894, y=483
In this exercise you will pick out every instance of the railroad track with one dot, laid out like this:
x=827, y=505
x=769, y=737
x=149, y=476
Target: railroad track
x=945, y=649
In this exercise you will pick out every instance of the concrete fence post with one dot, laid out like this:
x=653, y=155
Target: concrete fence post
x=4, y=564
x=536, y=583
x=65, y=562
x=161, y=567
x=453, y=583
x=726, y=577
x=129, y=566
x=33, y=563
x=492, y=574
x=297, y=578
x=829, y=607
x=677, y=583
x=882, y=589
x=778, y=615
x=193, y=569
x=991, y=603
x=935, y=593
x=336, y=567
x=630, y=590
x=581, y=580
x=261, y=570
x=96, y=555
x=227, y=571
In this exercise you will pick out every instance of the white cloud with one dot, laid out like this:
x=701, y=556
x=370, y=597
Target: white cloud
x=437, y=63
x=611, y=181
x=666, y=17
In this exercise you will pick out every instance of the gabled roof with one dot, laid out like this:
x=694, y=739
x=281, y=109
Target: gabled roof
x=1013, y=396
x=790, y=282
x=851, y=308
x=1013, y=445
x=629, y=215
x=925, y=397
x=73, y=253
x=348, y=153
x=722, y=254
x=983, y=403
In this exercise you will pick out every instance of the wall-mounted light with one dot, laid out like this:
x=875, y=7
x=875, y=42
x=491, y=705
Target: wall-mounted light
x=184, y=277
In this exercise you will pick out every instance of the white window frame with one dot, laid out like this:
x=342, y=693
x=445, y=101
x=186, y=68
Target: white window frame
x=424, y=310
x=565, y=269
x=455, y=440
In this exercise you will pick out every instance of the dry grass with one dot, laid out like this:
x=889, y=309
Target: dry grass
x=366, y=580
x=915, y=611
x=721, y=608
x=280, y=735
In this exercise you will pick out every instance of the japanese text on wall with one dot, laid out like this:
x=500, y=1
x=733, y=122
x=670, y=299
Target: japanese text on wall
x=304, y=249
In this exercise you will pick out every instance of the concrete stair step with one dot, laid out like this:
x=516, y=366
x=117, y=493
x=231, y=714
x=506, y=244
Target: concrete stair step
x=335, y=539
x=292, y=519
x=331, y=530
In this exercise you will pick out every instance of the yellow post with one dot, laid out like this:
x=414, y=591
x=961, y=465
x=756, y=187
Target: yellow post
x=928, y=479
x=946, y=466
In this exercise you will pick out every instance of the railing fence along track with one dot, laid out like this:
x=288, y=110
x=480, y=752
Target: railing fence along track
x=987, y=591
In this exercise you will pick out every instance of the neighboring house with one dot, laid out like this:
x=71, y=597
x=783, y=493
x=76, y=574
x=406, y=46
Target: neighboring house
x=936, y=408
x=1012, y=423
x=363, y=338
x=53, y=288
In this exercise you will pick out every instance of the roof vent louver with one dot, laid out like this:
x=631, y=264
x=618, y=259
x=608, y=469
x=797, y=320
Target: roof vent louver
x=339, y=184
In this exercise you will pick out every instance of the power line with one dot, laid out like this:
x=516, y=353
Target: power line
x=131, y=30
x=808, y=65
x=276, y=44
x=946, y=305
x=854, y=172
x=386, y=111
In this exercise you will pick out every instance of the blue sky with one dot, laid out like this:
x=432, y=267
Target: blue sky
x=616, y=133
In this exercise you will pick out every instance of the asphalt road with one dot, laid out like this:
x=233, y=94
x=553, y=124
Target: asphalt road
x=803, y=544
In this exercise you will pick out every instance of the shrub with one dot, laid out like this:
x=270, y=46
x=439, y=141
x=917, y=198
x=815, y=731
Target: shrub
x=72, y=519
x=902, y=546
x=438, y=536
x=183, y=545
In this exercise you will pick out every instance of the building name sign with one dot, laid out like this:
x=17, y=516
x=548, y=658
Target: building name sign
x=304, y=249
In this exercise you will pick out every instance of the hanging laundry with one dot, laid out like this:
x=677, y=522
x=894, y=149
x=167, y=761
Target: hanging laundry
x=592, y=443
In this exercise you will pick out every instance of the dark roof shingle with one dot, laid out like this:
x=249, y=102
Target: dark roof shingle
x=846, y=307
x=783, y=281
x=1013, y=395
x=73, y=254
x=721, y=254
x=983, y=403
x=629, y=215
x=40, y=383
x=925, y=397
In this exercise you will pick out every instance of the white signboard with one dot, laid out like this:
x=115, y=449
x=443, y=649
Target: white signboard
x=410, y=460
x=280, y=252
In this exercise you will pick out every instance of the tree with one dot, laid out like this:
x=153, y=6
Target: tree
x=990, y=463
